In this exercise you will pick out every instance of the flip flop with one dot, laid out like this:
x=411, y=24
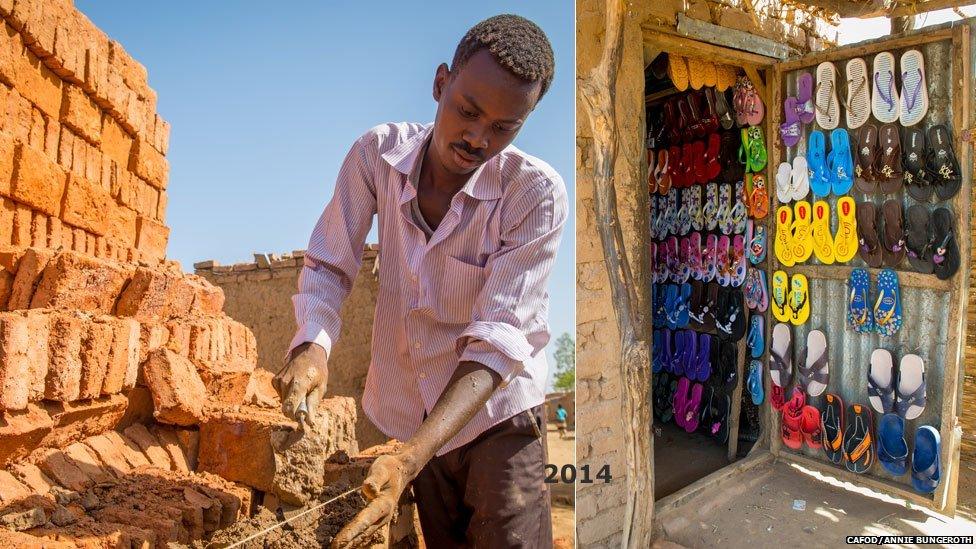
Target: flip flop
x=810, y=427
x=917, y=179
x=859, y=439
x=730, y=318
x=678, y=71
x=777, y=397
x=892, y=448
x=914, y=95
x=692, y=408
x=780, y=302
x=813, y=371
x=893, y=235
x=926, y=473
x=710, y=74
x=791, y=130
x=702, y=360
x=678, y=357
x=657, y=345
x=804, y=98
x=840, y=162
x=728, y=361
x=757, y=150
x=723, y=273
x=724, y=213
x=755, y=110
x=885, y=103
x=756, y=339
x=802, y=239
x=783, y=246
x=690, y=355
x=792, y=420
x=946, y=257
x=695, y=309
x=723, y=110
x=710, y=258
x=710, y=308
x=695, y=256
x=859, y=316
x=845, y=239
x=784, y=190
x=651, y=167
x=754, y=382
x=799, y=179
x=764, y=292
x=799, y=299
x=711, y=207
x=737, y=258
x=832, y=424
x=869, y=244
x=887, y=307
x=684, y=260
x=825, y=100
x=819, y=173
x=663, y=172
x=681, y=398
x=671, y=305
x=684, y=299
x=756, y=236
x=712, y=154
x=758, y=197
x=867, y=158
x=919, y=240
x=695, y=208
x=752, y=289
x=739, y=212
x=823, y=243
x=890, y=173
x=858, y=94
x=781, y=355
x=911, y=387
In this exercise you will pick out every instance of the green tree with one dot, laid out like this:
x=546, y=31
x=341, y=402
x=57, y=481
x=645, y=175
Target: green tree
x=565, y=378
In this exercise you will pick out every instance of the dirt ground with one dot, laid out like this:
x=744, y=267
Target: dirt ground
x=756, y=508
x=562, y=452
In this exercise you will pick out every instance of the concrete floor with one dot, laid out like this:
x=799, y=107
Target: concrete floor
x=755, y=509
x=681, y=458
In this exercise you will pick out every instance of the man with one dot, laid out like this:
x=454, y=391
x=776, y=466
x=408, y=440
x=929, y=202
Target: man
x=561, y=420
x=468, y=231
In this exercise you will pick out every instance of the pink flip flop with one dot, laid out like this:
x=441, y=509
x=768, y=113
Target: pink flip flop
x=722, y=266
x=691, y=408
x=672, y=258
x=681, y=398
x=684, y=260
x=755, y=110
x=710, y=258
x=738, y=256
x=695, y=256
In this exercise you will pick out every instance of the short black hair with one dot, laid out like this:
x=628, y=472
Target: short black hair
x=516, y=43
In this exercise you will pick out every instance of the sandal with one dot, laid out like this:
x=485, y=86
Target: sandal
x=946, y=257
x=711, y=207
x=802, y=239
x=925, y=460
x=858, y=94
x=723, y=267
x=799, y=299
x=881, y=381
x=914, y=92
x=885, y=103
x=756, y=340
x=887, y=307
x=910, y=402
x=840, y=163
x=823, y=243
x=695, y=208
x=756, y=236
x=810, y=427
x=781, y=355
x=859, y=440
x=710, y=258
x=917, y=178
x=869, y=245
x=758, y=197
x=845, y=239
x=723, y=111
x=781, y=305
x=818, y=170
x=754, y=382
x=919, y=239
x=739, y=212
x=832, y=425
x=804, y=98
x=784, y=190
x=790, y=131
x=813, y=370
x=678, y=71
x=890, y=172
x=828, y=111
x=799, y=179
x=859, y=316
x=784, y=236
x=867, y=159
x=893, y=235
x=737, y=261
x=792, y=420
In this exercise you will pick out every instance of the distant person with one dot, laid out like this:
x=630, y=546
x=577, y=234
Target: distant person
x=469, y=226
x=561, y=420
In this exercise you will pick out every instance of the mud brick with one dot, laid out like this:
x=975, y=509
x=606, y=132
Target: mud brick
x=146, y=442
x=63, y=470
x=38, y=130
x=179, y=337
x=151, y=238
x=133, y=73
x=38, y=84
x=87, y=205
x=237, y=446
x=7, y=148
x=123, y=362
x=23, y=431
x=96, y=348
x=8, y=210
x=22, y=226
x=177, y=390
x=149, y=164
x=100, y=248
x=226, y=381
x=52, y=133
x=129, y=449
x=208, y=298
x=86, y=460
x=121, y=225
x=32, y=477
x=11, y=489
x=29, y=275
x=260, y=391
x=125, y=194
x=76, y=281
x=152, y=336
x=37, y=181
x=66, y=146
x=54, y=233
x=63, y=380
x=78, y=238
x=79, y=156
x=75, y=421
x=39, y=230
x=38, y=330
x=171, y=443
x=144, y=297
x=161, y=135
x=111, y=452
x=81, y=114
x=161, y=207
x=93, y=163
x=14, y=366
x=116, y=144
x=10, y=48
x=17, y=117
x=6, y=284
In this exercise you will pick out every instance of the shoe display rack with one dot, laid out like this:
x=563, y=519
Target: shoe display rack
x=869, y=225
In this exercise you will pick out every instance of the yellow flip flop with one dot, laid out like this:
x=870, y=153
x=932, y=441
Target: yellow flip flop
x=802, y=239
x=678, y=71
x=780, y=297
x=784, y=238
x=696, y=72
x=726, y=77
x=823, y=242
x=845, y=241
x=710, y=74
x=799, y=299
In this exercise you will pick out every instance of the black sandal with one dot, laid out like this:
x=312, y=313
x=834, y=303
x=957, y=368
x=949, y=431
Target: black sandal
x=918, y=243
x=917, y=179
x=941, y=163
x=945, y=258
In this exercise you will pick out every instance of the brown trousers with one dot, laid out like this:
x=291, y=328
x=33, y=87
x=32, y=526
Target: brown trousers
x=491, y=492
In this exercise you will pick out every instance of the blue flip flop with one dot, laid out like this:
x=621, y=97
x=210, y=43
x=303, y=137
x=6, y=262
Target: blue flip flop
x=667, y=351
x=817, y=164
x=671, y=306
x=678, y=354
x=754, y=382
x=656, y=363
x=703, y=360
x=756, y=339
x=684, y=305
x=690, y=355
x=887, y=307
x=859, y=317
x=892, y=448
x=925, y=460
x=840, y=162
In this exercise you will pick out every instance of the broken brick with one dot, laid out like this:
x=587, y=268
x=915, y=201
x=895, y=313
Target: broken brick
x=32, y=477
x=95, y=353
x=63, y=380
x=29, y=270
x=11, y=489
x=146, y=442
x=63, y=470
x=123, y=361
x=85, y=459
x=76, y=281
x=177, y=390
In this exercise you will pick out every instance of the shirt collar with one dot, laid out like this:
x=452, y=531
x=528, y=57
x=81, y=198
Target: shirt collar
x=484, y=183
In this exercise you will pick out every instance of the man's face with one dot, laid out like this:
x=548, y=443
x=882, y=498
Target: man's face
x=480, y=109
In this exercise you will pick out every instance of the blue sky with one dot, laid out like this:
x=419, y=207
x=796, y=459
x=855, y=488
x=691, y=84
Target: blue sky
x=266, y=98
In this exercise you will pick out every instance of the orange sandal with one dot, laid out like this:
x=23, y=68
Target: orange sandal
x=758, y=197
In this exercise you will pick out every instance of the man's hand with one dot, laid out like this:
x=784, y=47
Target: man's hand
x=304, y=378
x=388, y=477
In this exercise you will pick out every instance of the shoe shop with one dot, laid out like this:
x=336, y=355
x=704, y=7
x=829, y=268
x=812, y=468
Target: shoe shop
x=809, y=236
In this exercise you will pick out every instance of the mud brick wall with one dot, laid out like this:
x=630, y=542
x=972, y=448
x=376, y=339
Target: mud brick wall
x=600, y=423
x=82, y=149
x=258, y=294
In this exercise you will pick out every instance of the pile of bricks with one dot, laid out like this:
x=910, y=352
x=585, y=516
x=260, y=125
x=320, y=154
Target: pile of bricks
x=131, y=413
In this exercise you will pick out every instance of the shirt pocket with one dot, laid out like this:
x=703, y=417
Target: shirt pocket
x=456, y=289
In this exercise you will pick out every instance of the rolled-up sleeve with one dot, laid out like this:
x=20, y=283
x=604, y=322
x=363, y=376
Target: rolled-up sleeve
x=335, y=249
x=509, y=324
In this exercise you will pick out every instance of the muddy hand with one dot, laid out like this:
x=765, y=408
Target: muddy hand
x=303, y=380
x=388, y=476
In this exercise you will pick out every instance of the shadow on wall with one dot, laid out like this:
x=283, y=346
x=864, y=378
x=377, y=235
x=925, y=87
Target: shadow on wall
x=259, y=294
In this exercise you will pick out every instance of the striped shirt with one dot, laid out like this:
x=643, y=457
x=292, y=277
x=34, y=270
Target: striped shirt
x=475, y=291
